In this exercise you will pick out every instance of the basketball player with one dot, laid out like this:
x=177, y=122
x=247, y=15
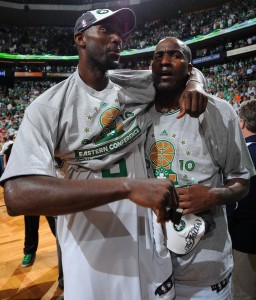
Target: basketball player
x=210, y=154
x=98, y=130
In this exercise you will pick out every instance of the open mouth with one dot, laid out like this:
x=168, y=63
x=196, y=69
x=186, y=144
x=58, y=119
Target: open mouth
x=166, y=75
x=115, y=51
x=115, y=54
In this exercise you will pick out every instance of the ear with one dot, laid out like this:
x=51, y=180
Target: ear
x=242, y=123
x=190, y=69
x=80, y=39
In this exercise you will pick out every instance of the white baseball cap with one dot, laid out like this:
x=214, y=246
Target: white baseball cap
x=182, y=238
x=126, y=16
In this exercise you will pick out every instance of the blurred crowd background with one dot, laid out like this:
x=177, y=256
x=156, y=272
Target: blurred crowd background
x=232, y=79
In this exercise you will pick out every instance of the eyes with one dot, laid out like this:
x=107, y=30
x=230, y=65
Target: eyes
x=108, y=30
x=158, y=55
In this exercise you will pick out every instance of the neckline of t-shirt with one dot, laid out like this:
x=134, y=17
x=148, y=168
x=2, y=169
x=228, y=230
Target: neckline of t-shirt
x=163, y=115
x=90, y=90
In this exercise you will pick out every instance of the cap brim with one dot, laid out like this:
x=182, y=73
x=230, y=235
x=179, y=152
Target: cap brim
x=182, y=238
x=127, y=19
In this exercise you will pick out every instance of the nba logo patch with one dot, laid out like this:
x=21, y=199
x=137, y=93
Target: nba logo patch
x=84, y=23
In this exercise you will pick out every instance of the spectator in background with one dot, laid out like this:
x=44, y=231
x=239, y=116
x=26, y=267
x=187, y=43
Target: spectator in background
x=2, y=141
x=184, y=26
x=7, y=145
x=242, y=219
x=31, y=243
x=8, y=150
x=251, y=89
x=31, y=237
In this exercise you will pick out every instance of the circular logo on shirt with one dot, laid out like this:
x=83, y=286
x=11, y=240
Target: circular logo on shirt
x=107, y=119
x=162, y=153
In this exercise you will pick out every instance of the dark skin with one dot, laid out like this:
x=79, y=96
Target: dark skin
x=170, y=70
x=171, y=67
x=53, y=194
x=192, y=100
x=99, y=49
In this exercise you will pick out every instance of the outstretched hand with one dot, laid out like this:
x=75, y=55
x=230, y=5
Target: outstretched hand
x=157, y=194
x=193, y=100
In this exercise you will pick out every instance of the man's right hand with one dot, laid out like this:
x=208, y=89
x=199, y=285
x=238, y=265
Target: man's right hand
x=19, y=193
x=157, y=194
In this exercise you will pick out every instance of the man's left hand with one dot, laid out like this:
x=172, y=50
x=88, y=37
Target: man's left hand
x=193, y=100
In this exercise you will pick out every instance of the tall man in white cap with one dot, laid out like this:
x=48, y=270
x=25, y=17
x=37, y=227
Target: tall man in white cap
x=207, y=157
x=98, y=130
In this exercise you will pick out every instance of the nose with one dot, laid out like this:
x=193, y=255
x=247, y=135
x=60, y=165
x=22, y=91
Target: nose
x=117, y=38
x=166, y=59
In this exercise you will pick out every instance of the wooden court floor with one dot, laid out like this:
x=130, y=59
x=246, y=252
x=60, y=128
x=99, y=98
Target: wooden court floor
x=38, y=281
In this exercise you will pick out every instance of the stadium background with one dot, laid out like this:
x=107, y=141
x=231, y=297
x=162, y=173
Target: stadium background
x=37, y=48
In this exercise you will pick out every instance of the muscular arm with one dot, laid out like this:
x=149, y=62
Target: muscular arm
x=198, y=198
x=43, y=195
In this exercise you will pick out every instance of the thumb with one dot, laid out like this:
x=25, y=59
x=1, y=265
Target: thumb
x=182, y=109
x=181, y=114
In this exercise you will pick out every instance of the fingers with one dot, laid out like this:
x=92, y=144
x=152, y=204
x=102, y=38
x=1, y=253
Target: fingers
x=184, y=198
x=187, y=211
x=171, y=199
x=193, y=103
x=191, y=199
x=174, y=197
x=205, y=101
x=182, y=109
x=181, y=114
x=157, y=194
x=161, y=215
x=185, y=104
x=183, y=191
x=198, y=105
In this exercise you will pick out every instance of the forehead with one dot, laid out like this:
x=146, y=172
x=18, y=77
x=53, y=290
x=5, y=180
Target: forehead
x=113, y=22
x=170, y=44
